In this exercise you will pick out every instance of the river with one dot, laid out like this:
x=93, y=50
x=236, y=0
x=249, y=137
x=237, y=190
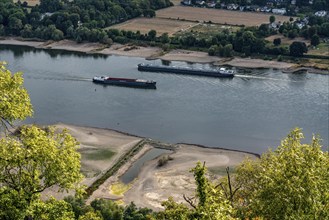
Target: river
x=251, y=112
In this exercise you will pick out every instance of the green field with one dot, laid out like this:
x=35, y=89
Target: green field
x=98, y=154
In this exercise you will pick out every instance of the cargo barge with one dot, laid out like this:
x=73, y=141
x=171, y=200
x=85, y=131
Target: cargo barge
x=137, y=83
x=221, y=72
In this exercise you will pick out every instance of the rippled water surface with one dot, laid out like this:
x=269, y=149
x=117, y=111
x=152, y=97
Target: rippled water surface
x=251, y=112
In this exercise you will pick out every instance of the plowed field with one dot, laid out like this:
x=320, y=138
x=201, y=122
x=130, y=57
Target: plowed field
x=217, y=16
x=144, y=25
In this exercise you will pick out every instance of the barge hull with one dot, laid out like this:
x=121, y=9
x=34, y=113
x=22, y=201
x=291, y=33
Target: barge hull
x=185, y=71
x=135, y=83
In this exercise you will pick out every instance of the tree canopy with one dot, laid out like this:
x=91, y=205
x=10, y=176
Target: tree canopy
x=291, y=182
x=210, y=201
x=297, y=48
x=32, y=159
x=14, y=100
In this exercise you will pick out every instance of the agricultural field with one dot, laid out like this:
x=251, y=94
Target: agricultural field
x=30, y=2
x=206, y=30
x=216, y=16
x=144, y=25
x=213, y=28
x=176, y=2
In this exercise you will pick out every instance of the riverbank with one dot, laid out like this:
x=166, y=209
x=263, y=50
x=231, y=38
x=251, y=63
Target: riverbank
x=148, y=53
x=154, y=184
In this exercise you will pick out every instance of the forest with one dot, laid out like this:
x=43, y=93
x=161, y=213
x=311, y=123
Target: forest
x=90, y=21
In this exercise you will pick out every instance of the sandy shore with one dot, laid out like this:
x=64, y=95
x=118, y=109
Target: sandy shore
x=94, y=142
x=147, y=52
x=154, y=184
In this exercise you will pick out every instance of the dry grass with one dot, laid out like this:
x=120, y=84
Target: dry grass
x=321, y=49
x=176, y=2
x=286, y=40
x=119, y=188
x=144, y=25
x=217, y=16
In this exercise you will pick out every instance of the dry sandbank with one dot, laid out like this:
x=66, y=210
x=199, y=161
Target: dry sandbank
x=153, y=184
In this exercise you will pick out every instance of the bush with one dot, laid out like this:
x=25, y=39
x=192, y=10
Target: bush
x=164, y=160
x=279, y=58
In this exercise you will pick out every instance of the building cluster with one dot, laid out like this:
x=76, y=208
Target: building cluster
x=268, y=8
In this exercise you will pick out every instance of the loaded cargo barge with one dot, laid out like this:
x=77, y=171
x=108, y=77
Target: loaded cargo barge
x=137, y=83
x=221, y=72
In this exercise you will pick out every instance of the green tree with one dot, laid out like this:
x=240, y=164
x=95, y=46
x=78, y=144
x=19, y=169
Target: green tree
x=131, y=212
x=14, y=100
x=15, y=24
x=277, y=41
x=152, y=35
x=165, y=38
x=315, y=40
x=51, y=210
x=32, y=159
x=297, y=48
x=108, y=209
x=91, y=216
x=272, y=19
x=211, y=202
x=291, y=182
x=324, y=29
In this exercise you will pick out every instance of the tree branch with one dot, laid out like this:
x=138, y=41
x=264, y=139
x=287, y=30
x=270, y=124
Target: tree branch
x=189, y=201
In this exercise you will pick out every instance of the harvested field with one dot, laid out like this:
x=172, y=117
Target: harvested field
x=217, y=16
x=30, y=2
x=144, y=25
x=176, y=2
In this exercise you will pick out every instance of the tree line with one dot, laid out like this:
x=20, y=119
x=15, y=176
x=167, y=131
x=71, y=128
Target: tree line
x=85, y=21
x=58, y=19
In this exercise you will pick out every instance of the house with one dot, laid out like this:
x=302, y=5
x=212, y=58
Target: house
x=186, y=2
x=321, y=13
x=280, y=11
x=199, y=2
x=211, y=4
x=254, y=8
x=47, y=14
x=232, y=6
x=275, y=25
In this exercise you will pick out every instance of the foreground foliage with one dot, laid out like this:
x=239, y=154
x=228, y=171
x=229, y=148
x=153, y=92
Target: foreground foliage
x=210, y=202
x=33, y=159
x=14, y=99
x=291, y=182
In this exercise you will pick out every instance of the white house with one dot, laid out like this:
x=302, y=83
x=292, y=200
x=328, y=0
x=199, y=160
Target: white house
x=280, y=11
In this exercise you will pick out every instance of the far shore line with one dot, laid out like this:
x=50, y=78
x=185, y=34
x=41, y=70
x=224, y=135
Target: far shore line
x=151, y=53
x=147, y=53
